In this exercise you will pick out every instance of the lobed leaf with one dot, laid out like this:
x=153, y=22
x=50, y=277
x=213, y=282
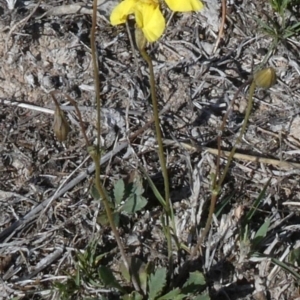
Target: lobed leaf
x=157, y=282
x=119, y=191
x=133, y=204
x=195, y=283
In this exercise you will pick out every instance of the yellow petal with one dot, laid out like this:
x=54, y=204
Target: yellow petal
x=184, y=5
x=150, y=19
x=121, y=11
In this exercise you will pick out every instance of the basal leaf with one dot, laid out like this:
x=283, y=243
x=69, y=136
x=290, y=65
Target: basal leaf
x=156, y=283
x=261, y=233
x=108, y=278
x=139, y=190
x=202, y=297
x=172, y=295
x=94, y=192
x=133, y=204
x=119, y=190
x=103, y=220
x=294, y=256
x=195, y=283
x=133, y=296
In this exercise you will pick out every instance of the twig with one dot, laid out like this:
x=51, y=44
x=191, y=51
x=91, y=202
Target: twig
x=287, y=165
x=50, y=110
x=270, y=161
x=221, y=29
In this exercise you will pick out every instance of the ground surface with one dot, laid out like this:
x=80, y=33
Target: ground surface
x=44, y=222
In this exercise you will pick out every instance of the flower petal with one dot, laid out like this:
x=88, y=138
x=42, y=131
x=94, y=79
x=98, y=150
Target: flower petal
x=121, y=11
x=184, y=5
x=150, y=19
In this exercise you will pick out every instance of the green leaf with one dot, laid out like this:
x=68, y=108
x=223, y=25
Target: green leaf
x=103, y=220
x=133, y=296
x=260, y=234
x=116, y=217
x=138, y=268
x=285, y=267
x=99, y=257
x=139, y=190
x=294, y=256
x=157, y=282
x=133, y=204
x=220, y=207
x=119, y=190
x=157, y=194
x=94, y=192
x=279, y=6
x=108, y=278
x=262, y=231
x=195, y=283
x=143, y=277
x=97, y=298
x=295, y=27
x=77, y=278
x=202, y=297
x=174, y=294
x=124, y=272
x=279, y=263
x=258, y=200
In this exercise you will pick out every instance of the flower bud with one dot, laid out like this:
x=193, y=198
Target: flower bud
x=265, y=78
x=140, y=38
x=60, y=125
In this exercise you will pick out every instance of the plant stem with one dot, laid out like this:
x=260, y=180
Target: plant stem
x=96, y=155
x=239, y=139
x=217, y=184
x=96, y=75
x=158, y=131
x=103, y=194
x=168, y=207
x=73, y=102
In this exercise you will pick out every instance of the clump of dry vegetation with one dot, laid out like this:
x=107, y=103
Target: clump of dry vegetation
x=229, y=233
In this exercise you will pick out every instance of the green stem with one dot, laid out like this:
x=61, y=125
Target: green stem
x=168, y=207
x=239, y=139
x=101, y=190
x=216, y=186
x=96, y=75
x=161, y=155
x=96, y=155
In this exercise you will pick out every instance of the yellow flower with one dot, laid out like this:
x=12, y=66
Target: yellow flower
x=148, y=15
x=184, y=5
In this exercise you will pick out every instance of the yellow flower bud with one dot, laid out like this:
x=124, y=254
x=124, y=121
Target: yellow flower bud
x=60, y=125
x=265, y=78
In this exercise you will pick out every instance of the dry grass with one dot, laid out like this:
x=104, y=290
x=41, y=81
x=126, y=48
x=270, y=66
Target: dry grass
x=47, y=213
